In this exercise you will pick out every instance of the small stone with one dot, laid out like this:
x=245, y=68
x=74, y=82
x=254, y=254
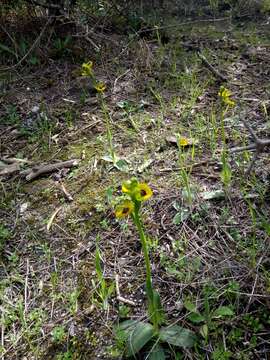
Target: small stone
x=179, y=305
x=35, y=109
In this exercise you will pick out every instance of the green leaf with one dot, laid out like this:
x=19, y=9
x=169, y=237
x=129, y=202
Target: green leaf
x=177, y=336
x=109, y=194
x=190, y=306
x=158, y=310
x=204, y=331
x=157, y=353
x=181, y=216
x=121, y=165
x=223, y=311
x=138, y=334
x=98, y=264
x=128, y=325
x=196, y=318
x=109, y=158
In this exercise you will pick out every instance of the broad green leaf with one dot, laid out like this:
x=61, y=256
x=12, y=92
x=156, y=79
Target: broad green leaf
x=109, y=194
x=157, y=353
x=98, y=264
x=190, y=306
x=204, y=331
x=138, y=334
x=181, y=216
x=121, y=165
x=177, y=336
x=158, y=310
x=196, y=318
x=222, y=311
x=127, y=325
x=109, y=158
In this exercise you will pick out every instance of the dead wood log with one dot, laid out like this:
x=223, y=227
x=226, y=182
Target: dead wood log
x=33, y=173
x=10, y=169
x=211, y=67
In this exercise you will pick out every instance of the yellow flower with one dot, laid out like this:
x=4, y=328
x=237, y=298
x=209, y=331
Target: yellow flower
x=225, y=95
x=100, y=87
x=143, y=192
x=229, y=102
x=124, y=209
x=223, y=92
x=129, y=186
x=87, y=69
x=137, y=191
x=183, y=142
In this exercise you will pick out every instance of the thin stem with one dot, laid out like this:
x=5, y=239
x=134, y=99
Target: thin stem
x=149, y=289
x=139, y=225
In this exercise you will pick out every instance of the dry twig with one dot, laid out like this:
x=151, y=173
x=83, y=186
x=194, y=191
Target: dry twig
x=119, y=297
x=211, y=67
x=67, y=195
x=258, y=146
x=35, y=43
x=49, y=225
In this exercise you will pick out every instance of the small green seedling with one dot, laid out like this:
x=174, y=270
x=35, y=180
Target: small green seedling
x=207, y=320
x=102, y=289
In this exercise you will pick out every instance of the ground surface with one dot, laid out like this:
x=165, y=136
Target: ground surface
x=208, y=223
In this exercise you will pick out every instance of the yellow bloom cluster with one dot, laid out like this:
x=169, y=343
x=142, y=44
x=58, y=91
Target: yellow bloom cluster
x=225, y=95
x=100, y=87
x=137, y=192
x=183, y=141
x=87, y=70
x=124, y=209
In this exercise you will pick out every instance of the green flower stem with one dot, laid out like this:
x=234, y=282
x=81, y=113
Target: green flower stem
x=149, y=287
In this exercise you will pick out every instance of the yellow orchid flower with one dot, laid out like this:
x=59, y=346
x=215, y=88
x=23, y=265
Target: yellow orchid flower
x=87, y=68
x=124, y=209
x=129, y=186
x=137, y=191
x=183, y=141
x=100, y=87
x=143, y=192
x=225, y=95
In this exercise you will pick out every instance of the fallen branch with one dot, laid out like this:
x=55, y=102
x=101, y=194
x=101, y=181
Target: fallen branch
x=10, y=169
x=15, y=160
x=211, y=67
x=119, y=297
x=67, y=195
x=31, y=174
x=258, y=146
x=50, y=222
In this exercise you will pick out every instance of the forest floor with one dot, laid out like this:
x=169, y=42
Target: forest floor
x=207, y=222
